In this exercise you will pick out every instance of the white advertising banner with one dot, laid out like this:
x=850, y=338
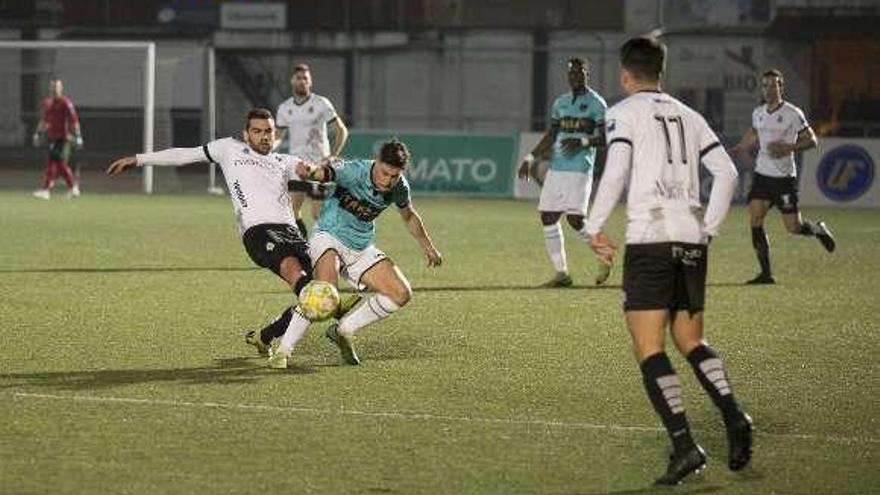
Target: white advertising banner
x=841, y=173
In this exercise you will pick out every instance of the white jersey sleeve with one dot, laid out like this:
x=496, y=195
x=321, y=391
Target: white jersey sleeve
x=219, y=151
x=213, y=151
x=329, y=112
x=718, y=163
x=172, y=157
x=619, y=136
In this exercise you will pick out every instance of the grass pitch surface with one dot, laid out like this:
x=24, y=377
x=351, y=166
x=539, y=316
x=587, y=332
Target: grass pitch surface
x=123, y=369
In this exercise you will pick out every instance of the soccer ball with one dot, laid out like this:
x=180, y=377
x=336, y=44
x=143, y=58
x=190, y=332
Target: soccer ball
x=318, y=300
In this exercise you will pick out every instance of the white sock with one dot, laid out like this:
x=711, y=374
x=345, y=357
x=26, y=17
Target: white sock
x=555, y=242
x=374, y=309
x=295, y=330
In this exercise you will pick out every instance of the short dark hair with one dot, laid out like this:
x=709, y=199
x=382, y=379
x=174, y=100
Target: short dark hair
x=644, y=58
x=258, y=113
x=394, y=153
x=773, y=73
x=301, y=68
x=578, y=61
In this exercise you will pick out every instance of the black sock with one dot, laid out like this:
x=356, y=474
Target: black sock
x=712, y=375
x=664, y=391
x=762, y=248
x=305, y=278
x=302, y=228
x=277, y=328
x=808, y=228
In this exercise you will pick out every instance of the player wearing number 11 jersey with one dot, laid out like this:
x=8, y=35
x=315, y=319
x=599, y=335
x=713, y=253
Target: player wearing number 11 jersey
x=656, y=144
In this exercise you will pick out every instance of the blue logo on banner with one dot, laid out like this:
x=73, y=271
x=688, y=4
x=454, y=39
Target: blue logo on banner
x=845, y=173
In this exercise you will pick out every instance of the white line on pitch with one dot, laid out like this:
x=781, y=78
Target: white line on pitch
x=405, y=416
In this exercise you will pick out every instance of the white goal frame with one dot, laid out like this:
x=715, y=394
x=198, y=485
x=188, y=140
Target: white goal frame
x=148, y=49
x=149, y=64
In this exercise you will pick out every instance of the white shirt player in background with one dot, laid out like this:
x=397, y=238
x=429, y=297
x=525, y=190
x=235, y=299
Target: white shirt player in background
x=656, y=145
x=257, y=180
x=303, y=119
x=780, y=130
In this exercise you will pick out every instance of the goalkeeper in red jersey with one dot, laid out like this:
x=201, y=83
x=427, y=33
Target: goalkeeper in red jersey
x=59, y=125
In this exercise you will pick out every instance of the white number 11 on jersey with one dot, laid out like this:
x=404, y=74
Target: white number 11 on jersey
x=675, y=119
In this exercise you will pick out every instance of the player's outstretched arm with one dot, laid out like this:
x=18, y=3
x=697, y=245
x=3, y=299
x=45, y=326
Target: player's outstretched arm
x=172, y=157
x=416, y=228
x=121, y=164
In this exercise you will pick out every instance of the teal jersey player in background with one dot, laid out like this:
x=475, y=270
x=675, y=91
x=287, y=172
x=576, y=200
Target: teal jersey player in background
x=343, y=241
x=577, y=129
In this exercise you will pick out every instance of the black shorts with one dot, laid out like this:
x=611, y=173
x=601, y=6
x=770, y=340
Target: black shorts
x=781, y=191
x=665, y=275
x=269, y=243
x=60, y=149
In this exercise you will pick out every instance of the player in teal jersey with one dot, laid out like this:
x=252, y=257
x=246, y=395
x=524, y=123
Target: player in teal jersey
x=576, y=131
x=342, y=243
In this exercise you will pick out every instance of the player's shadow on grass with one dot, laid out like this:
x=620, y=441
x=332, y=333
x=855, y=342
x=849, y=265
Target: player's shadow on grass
x=145, y=269
x=225, y=371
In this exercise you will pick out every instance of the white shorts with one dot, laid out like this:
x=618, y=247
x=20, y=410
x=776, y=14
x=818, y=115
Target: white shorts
x=354, y=263
x=566, y=192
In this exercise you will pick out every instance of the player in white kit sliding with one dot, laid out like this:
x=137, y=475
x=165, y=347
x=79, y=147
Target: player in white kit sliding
x=780, y=129
x=258, y=182
x=656, y=145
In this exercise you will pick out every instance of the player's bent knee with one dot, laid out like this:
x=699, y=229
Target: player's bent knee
x=687, y=345
x=400, y=294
